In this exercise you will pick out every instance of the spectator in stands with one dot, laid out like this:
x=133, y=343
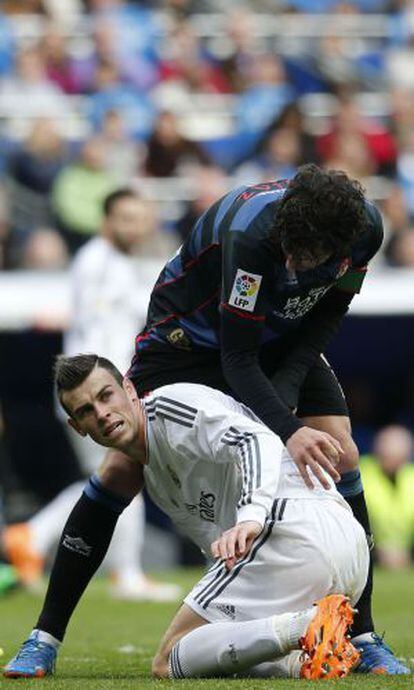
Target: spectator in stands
x=135, y=37
x=58, y=62
x=188, y=66
x=278, y=160
x=302, y=147
x=402, y=112
x=6, y=45
x=239, y=47
x=27, y=92
x=108, y=46
x=291, y=118
x=137, y=109
x=209, y=184
x=23, y=6
x=78, y=192
x=348, y=122
x=123, y=155
x=343, y=59
x=31, y=171
x=388, y=476
x=351, y=153
x=169, y=152
x=396, y=218
x=400, y=251
x=44, y=250
x=267, y=94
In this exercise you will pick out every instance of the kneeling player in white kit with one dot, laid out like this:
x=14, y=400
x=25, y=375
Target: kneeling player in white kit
x=229, y=484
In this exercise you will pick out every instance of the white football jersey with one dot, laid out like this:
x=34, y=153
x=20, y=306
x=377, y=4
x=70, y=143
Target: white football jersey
x=110, y=292
x=212, y=463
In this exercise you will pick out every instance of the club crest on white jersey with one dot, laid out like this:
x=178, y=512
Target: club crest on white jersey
x=245, y=290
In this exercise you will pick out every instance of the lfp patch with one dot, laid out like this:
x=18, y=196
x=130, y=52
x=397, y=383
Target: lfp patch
x=245, y=290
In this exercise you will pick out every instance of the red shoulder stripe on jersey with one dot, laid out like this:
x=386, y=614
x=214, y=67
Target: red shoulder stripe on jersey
x=188, y=265
x=250, y=317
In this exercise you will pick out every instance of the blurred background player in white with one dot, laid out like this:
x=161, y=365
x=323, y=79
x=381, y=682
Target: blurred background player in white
x=108, y=275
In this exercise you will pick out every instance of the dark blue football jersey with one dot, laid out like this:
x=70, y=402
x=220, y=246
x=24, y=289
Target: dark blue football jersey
x=229, y=267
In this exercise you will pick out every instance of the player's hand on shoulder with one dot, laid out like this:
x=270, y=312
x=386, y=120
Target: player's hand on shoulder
x=313, y=449
x=236, y=542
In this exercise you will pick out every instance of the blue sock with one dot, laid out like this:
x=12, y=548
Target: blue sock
x=83, y=545
x=350, y=484
x=96, y=492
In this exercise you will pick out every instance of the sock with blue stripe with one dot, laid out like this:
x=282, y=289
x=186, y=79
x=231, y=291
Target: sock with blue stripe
x=84, y=542
x=352, y=490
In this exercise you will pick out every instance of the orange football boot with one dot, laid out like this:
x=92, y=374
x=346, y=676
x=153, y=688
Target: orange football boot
x=330, y=653
x=18, y=548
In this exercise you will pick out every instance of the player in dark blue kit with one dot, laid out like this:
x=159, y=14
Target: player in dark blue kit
x=247, y=305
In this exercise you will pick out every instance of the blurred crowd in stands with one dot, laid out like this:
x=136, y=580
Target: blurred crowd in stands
x=182, y=100
x=185, y=98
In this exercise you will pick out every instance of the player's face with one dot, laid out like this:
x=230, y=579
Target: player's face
x=104, y=410
x=129, y=224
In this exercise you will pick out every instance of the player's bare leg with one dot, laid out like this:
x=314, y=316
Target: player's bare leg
x=183, y=622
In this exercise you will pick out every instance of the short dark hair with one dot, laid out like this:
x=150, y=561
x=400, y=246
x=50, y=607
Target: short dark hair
x=321, y=212
x=112, y=198
x=70, y=372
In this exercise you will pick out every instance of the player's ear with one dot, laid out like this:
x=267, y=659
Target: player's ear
x=129, y=388
x=76, y=427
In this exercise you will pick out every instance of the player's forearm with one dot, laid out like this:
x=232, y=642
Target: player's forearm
x=314, y=335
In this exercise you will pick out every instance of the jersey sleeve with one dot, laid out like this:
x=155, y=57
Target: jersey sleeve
x=257, y=453
x=248, y=271
x=364, y=251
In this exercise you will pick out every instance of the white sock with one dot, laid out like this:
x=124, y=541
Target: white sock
x=288, y=666
x=290, y=627
x=45, y=637
x=46, y=526
x=229, y=648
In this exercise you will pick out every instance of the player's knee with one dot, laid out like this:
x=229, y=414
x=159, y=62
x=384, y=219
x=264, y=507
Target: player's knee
x=119, y=475
x=159, y=668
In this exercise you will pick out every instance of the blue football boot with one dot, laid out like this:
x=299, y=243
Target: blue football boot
x=35, y=659
x=377, y=657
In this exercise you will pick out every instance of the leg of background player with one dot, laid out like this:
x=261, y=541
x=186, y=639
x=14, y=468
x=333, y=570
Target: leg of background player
x=124, y=560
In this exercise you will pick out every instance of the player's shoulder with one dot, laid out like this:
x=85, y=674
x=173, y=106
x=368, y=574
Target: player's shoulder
x=193, y=398
x=375, y=228
x=370, y=241
x=192, y=394
x=94, y=250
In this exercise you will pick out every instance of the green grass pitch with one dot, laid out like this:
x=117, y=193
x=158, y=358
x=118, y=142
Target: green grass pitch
x=110, y=644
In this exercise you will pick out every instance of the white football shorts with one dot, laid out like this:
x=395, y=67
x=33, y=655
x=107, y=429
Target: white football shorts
x=308, y=549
